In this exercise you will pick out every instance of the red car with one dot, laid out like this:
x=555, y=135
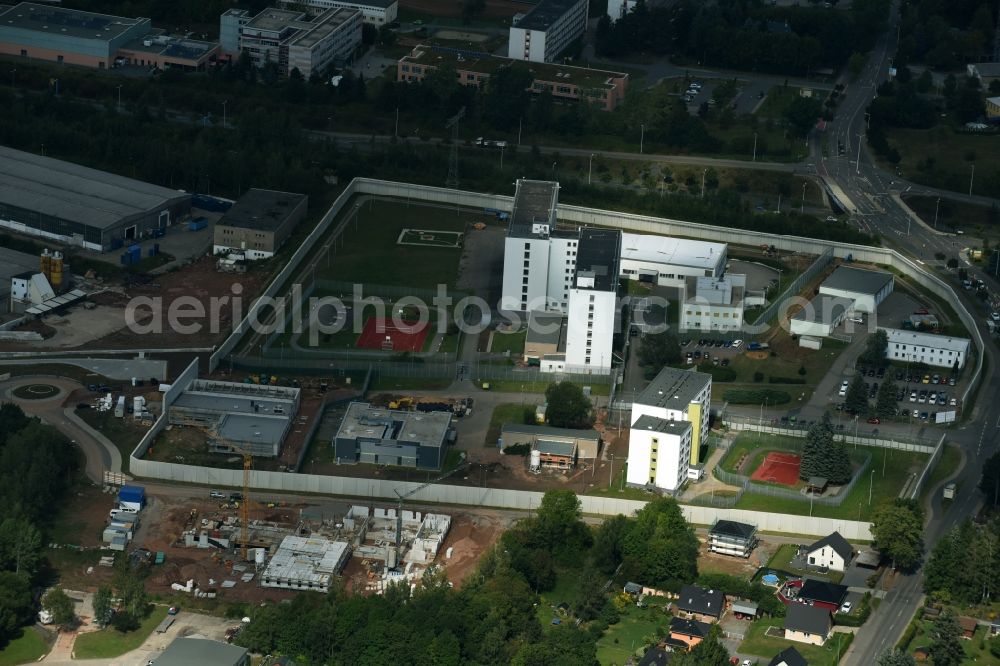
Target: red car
x=874, y=420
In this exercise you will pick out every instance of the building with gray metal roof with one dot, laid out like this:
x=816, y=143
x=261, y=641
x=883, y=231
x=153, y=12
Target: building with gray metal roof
x=77, y=205
x=586, y=441
x=866, y=288
x=674, y=388
x=202, y=651
x=70, y=36
x=392, y=437
x=821, y=315
x=239, y=417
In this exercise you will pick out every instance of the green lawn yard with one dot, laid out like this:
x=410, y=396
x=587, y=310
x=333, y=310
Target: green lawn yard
x=757, y=643
x=109, y=642
x=25, y=649
x=636, y=627
x=977, y=651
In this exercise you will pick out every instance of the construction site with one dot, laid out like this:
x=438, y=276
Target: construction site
x=206, y=550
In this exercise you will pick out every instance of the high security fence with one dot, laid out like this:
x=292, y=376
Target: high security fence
x=745, y=484
x=751, y=424
x=771, y=311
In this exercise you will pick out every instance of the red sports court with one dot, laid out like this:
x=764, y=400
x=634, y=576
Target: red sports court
x=778, y=467
x=385, y=335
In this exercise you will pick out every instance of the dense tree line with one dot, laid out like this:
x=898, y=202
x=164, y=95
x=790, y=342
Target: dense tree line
x=964, y=566
x=898, y=531
x=36, y=466
x=946, y=35
x=747, y=35
x=823, y=456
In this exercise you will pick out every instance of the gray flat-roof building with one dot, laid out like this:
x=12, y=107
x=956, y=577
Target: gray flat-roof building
x=866, y=288
x=240, y=417
x=392, y=437
x=204, y=652
x=821, y=315
x=70, y=36
x=77, y=205
x=259, y=223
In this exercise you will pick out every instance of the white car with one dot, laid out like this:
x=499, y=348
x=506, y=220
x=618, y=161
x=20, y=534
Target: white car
x=737, y=344
x=695, y=85
x=846, y=608
x=913, y=396
x=995, y=316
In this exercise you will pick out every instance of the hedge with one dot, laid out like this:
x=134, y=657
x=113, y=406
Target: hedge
x=756, y=397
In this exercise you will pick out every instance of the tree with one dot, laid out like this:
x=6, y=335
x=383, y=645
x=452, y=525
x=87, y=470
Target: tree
x=896, y=658
x=875, y=346
x=946, y=647
x=60, y=605
x=15, y=603
x=20, y=545
x=898, y=532
x=823, y=456
x=885, y=401
x=989, y=482
x=559, y=523
x=856, y=63
x=856, y=400
x=102, y=605
x=608, y=540
x=657, y=350
x=590, y=598
x=567, y=406
x=803, y=113
x=661, y=548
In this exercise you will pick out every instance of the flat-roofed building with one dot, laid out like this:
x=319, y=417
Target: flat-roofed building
x=238, y=417
x=942, y=351
x=601, y=88
x=373, y=12
x=669, y=261
x=713, y=303
x=166, y=52
x=866, y=288
x=392, y=437
x=820, y=316
x=728, y=537
x=77, y=205
x=189, y=650
x=545, y=31
x=659, y=453
x=259, y=223
x=291, y=39
x=677, y=395
x=593, y=302
x=545, y=339
x=586, y=442
x=70, y=36
x=305, y=563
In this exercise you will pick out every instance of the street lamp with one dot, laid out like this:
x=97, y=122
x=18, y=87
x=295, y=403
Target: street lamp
x=502, y=148
x=937, y=207
x=119, y=99
x=224, y=102
x=858, y=169
x=804, y=197
x=755, y=146
x=704, y=172
x=590, y=169
x=972, y=177
x=642, y=137
x=553, y=171
x=871, y=487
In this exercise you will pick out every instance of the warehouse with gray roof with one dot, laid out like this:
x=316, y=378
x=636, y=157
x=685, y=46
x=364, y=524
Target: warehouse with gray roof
x=77, y=205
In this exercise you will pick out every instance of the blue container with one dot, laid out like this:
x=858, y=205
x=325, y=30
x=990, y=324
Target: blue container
x=136, y=494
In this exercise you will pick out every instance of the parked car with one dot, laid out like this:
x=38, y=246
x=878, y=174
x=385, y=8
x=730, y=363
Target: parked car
x=217, y=494
x=951, y=381
x=913, y=396
x=916, y=413
x=846, y=607
x=924, y=415
x=173, y=610
x=927, y=379
x=874, y=420
x=737, y=344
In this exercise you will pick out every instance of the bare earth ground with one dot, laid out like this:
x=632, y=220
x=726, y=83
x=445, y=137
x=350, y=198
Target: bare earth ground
x=104, y=327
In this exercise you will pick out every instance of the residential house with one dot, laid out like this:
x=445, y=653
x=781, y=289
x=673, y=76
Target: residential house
x=831, y=551
x=744, y=609
x=655, y=657
x=701, y=604
x=823, y=594
x=788, y=657
x=689, y=632
x=968, y=626
x=808, y=624
x=728, y=537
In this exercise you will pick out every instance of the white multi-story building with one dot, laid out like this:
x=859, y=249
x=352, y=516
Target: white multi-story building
x=617, y=9
x=667, y=261
x=713, y=303
x=291, y=39
x=545, y=32
x=539, y=260
x=674, y=395
x=373, y=12
x=593, y=302
x=659, y=453
x=915, y=347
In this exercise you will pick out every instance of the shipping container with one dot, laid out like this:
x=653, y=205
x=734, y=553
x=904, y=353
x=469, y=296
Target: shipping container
x=197, y=224
x=132, y=495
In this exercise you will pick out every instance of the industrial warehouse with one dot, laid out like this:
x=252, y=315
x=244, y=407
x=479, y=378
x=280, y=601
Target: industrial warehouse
x=80, y=206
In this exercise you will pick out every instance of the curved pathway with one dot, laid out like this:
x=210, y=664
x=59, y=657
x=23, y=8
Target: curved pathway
x=100, y=452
